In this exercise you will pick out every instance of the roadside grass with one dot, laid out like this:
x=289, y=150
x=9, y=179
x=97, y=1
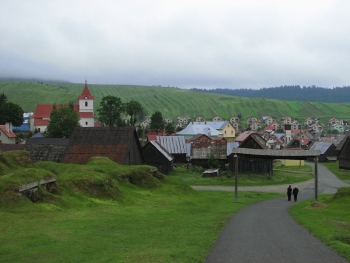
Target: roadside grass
x=341, y=174
x=328, y=219
x=281, y=175
x=105, y=212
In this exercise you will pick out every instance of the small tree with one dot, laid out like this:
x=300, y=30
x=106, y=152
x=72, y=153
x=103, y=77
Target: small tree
x=133, y=108
x=62, y=122
x=213, y=162
x=110, y=109
x=157, y=122
x=169, y=128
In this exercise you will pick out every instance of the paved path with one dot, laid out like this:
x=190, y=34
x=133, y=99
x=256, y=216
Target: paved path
x=265, y=232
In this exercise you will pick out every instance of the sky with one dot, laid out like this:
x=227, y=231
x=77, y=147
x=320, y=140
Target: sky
x=186, y=44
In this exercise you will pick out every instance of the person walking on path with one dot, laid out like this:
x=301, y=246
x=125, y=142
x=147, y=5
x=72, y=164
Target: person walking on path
x=295, y=193
x=289, y=192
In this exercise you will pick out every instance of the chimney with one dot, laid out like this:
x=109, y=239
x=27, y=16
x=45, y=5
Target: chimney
x=8, y=127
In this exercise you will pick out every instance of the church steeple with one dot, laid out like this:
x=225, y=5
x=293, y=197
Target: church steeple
x=86, y=93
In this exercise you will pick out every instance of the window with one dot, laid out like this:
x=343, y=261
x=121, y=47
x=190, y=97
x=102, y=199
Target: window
x=86, y=123
x=86, y=103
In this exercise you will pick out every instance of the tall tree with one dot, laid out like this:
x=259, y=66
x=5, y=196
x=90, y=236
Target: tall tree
x=62, y=122
x=11, y=112
x=133, y=108
x=110, y=109
x=3, y=99
x=157, y=122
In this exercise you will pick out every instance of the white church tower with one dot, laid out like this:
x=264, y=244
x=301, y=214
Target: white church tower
x=86, y=108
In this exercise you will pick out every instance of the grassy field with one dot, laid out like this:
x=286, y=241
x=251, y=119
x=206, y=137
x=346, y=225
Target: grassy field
x=172, y=102
x=105, y=212
x=281, y=175
x=329, y=218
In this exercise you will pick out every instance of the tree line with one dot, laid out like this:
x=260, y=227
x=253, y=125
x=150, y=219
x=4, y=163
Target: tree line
x=289, y=93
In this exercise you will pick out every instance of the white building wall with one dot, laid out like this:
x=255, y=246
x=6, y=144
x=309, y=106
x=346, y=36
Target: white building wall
x=86, y=108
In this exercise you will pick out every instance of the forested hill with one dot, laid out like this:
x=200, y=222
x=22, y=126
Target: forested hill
x=289, y=93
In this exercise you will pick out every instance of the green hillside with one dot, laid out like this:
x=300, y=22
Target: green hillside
x=172, y=102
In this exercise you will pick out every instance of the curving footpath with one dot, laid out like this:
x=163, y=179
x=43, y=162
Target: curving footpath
x=265, y=232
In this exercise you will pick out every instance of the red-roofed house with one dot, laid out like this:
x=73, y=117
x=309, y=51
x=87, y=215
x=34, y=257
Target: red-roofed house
x=41, y=116
x=6, y=134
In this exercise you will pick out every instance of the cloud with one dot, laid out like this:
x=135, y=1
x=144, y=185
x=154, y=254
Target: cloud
x=203, y=44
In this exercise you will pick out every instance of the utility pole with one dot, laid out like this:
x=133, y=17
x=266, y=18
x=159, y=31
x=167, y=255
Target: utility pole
x=236, y=176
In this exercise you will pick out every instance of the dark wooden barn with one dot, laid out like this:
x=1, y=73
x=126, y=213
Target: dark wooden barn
x=327, y=149
x=344, y=152
x=201, y=151
x=154, y=154
x=175, y=145
x=252, y=164
x=46, y=149
x=120, y=144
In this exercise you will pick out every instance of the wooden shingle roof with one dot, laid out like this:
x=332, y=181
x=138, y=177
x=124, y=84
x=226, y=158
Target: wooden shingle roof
x=120, y=144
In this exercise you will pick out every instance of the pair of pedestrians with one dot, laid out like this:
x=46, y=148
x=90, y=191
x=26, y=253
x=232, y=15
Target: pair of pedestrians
x=293, y=191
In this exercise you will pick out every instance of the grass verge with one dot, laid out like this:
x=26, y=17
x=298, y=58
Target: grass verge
x=281, y=175
x=328, y=219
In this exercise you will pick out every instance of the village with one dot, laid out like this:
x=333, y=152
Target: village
x=195, y=143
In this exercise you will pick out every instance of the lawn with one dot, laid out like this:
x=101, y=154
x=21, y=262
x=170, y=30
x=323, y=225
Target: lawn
x=281, y=175
x=105, y=212
x=328, y=219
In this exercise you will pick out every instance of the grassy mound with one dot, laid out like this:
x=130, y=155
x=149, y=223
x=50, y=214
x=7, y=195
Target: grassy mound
x=14, y=160
x=101, y=178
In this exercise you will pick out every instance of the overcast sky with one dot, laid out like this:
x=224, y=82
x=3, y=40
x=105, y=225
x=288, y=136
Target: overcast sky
x=203, y=44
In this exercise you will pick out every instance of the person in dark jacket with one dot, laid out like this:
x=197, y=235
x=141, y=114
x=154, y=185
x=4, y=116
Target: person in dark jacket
x=289, y=192
x=295, y=193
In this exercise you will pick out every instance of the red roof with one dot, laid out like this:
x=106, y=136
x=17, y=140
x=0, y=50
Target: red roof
x=8, y=134
x=243, y=136
x=97, y=124
x=86, y=93
x=41, y=122
x=43, y=110
x=272, y=128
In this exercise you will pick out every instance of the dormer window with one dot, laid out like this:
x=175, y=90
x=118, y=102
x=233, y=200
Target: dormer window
x=86, y=97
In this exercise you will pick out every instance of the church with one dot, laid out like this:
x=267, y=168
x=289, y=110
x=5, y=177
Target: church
x=85, y=108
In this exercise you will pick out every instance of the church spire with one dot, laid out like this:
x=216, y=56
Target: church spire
x=86, y=93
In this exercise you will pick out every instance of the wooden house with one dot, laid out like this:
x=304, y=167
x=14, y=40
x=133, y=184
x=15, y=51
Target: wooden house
x=252, y=164
x=344, y=152
x=154, y=154
x=46, y=149
x=200, y=137
x=120, y=144
x=175, y=145
x=328, y=151
x=202, y=150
